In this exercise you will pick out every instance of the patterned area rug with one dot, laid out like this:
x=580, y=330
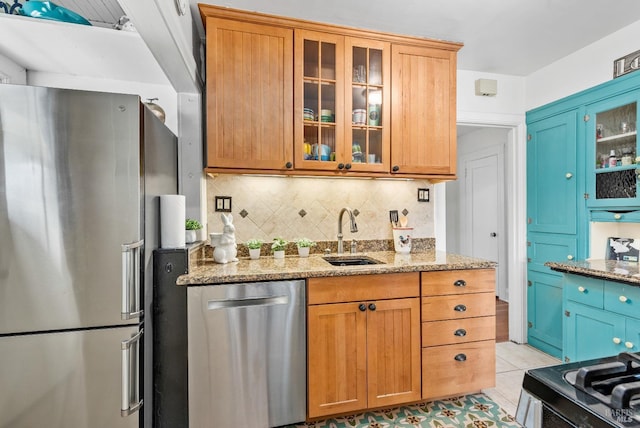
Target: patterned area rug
x=469, y=411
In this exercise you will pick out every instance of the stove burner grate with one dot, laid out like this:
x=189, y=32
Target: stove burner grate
x=616, y=383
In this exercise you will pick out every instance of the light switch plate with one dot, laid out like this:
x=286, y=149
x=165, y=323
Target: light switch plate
x=423, y=195
x=223, y=204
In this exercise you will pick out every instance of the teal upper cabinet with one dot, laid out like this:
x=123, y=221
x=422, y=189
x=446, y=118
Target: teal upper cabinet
x=551, y=174
x=612, y=145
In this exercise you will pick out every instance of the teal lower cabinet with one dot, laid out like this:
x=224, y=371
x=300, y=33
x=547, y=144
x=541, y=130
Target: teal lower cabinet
x=601, y=318
x=544, y=312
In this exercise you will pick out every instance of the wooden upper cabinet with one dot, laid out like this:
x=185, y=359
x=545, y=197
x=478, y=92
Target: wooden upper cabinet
x=423, y=134
x=249, y=95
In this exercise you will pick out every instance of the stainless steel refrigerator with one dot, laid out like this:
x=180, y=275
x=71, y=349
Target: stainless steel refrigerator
x=80, y=178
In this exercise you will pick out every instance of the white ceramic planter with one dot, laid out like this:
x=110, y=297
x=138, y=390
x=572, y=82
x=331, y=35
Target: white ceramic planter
x=254, y=253
x=303, y=251
x=278, y=254
x=190, y=236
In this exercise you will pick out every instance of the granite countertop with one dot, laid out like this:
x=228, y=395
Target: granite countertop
x=206, y=271
x=613, y=270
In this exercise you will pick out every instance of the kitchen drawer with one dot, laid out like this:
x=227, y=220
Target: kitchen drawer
x=457, y=369
x=458, y=306
x=588, y=291
x=618, y=217
x=356, y=288
x=437, y=283
x=449, y=332
x=622, y=298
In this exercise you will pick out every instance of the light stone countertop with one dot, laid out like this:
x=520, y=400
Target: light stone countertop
x=612, y=270
x=206, y=271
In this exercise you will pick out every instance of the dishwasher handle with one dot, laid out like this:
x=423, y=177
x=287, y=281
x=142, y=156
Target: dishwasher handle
x=248, y=302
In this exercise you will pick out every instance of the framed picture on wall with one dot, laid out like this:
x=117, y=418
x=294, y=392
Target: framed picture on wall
x=623, y=249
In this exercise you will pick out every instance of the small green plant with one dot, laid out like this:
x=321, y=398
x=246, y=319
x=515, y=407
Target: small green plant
x=279, y=244
x=254, y=244
x=304, y=242
x=191, y=224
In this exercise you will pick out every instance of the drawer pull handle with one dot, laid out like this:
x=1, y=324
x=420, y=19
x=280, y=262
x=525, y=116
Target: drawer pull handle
x=460, y=308
x=372, y=307
x=617, y=216
x=568, y=175
x=460, y=357
x=362, y=307
x=461, y=332
x=623, y=299
x=460, y=283
x=629, y=345
x=569, y=257
x=582, y=289
x=617, y=340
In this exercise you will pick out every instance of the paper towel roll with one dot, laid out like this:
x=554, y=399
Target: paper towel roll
x=172, y=219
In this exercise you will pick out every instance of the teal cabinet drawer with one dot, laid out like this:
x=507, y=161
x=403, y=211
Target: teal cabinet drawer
x=588, y=291
x=622, y=299
x=619, y=217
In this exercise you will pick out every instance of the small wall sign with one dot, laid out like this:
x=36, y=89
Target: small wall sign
x=626, y=64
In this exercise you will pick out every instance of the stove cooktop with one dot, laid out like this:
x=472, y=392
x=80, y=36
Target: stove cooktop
x=593, y=393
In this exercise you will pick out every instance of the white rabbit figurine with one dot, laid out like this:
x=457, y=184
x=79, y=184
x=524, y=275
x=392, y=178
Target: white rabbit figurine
x=224, y=244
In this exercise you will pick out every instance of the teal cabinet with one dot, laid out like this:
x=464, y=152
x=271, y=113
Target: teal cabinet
x=601, y=318
x=612, y=147
x=544, y=312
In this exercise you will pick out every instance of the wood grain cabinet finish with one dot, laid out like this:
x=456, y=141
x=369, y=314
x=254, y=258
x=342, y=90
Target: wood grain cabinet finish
x=249, y=95
x=265, y=99
x=458, y=332
x=363, y=352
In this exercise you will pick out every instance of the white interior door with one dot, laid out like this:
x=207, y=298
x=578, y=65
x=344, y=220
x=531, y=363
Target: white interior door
x=483, y=211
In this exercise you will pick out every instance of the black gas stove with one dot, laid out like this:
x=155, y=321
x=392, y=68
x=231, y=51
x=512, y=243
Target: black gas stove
x=596, y=393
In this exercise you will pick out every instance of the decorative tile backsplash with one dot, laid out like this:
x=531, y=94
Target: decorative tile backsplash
x=266, y=207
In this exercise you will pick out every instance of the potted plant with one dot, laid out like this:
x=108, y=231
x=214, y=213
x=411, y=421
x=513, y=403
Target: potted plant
x=304, y=245
x=254, y=246
x=190, y=234
x=278, y=246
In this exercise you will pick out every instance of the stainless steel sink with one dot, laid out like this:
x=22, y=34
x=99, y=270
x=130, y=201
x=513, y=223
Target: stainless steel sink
x=351, y=261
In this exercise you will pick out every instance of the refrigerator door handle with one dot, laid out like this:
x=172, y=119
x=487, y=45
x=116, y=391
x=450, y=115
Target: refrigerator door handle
x=130, y=349
x=131, y=302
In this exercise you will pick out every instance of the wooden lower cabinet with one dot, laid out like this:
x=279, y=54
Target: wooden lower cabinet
x=366, y=353
x=458, y=332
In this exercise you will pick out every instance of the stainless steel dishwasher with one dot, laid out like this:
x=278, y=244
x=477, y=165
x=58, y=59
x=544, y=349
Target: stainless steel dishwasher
x=247, y=354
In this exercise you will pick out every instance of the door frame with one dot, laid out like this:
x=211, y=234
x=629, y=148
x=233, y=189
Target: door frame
x=516, y=214
x=496, y=150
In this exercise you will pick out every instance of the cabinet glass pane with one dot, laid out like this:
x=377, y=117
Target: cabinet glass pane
x=366, y=101
x=616, y=150
x=319, y=101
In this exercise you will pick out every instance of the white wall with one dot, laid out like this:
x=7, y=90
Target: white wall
x=581, y=70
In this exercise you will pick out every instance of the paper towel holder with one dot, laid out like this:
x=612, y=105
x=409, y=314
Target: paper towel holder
x=486, y=87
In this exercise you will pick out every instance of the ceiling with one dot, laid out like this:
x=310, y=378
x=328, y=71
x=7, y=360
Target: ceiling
x=514, y=37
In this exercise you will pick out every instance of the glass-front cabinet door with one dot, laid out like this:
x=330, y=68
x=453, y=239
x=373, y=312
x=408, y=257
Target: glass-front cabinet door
x=367, y=105
x=612, y=149
x=319, y=101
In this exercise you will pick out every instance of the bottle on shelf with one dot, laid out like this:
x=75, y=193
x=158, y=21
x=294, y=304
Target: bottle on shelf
x=613, y=161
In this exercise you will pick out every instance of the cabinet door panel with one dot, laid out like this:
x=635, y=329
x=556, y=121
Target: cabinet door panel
x=544, y=312
x=249, y=95
x=423, y=134
x=337, y=367
x=544, y=247
x=551, y=174
x=393, y=350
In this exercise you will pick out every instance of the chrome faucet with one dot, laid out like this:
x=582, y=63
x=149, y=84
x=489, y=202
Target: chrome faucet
x=354, y=227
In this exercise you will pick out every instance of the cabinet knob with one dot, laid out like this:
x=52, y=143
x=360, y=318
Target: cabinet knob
x=628, y=345
x=617, y=216
x=347, y=166
x=372, y=307
x=617, y=340
x=460, y=308
x=460, y=357
x=581, y=289
x=288, y=165
x=395, y=168
x=569, y=257
x=460, y=283
x=568, y=175
x=340, y=166
x=362, y=307
x=461, y=332
x=623, y=299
